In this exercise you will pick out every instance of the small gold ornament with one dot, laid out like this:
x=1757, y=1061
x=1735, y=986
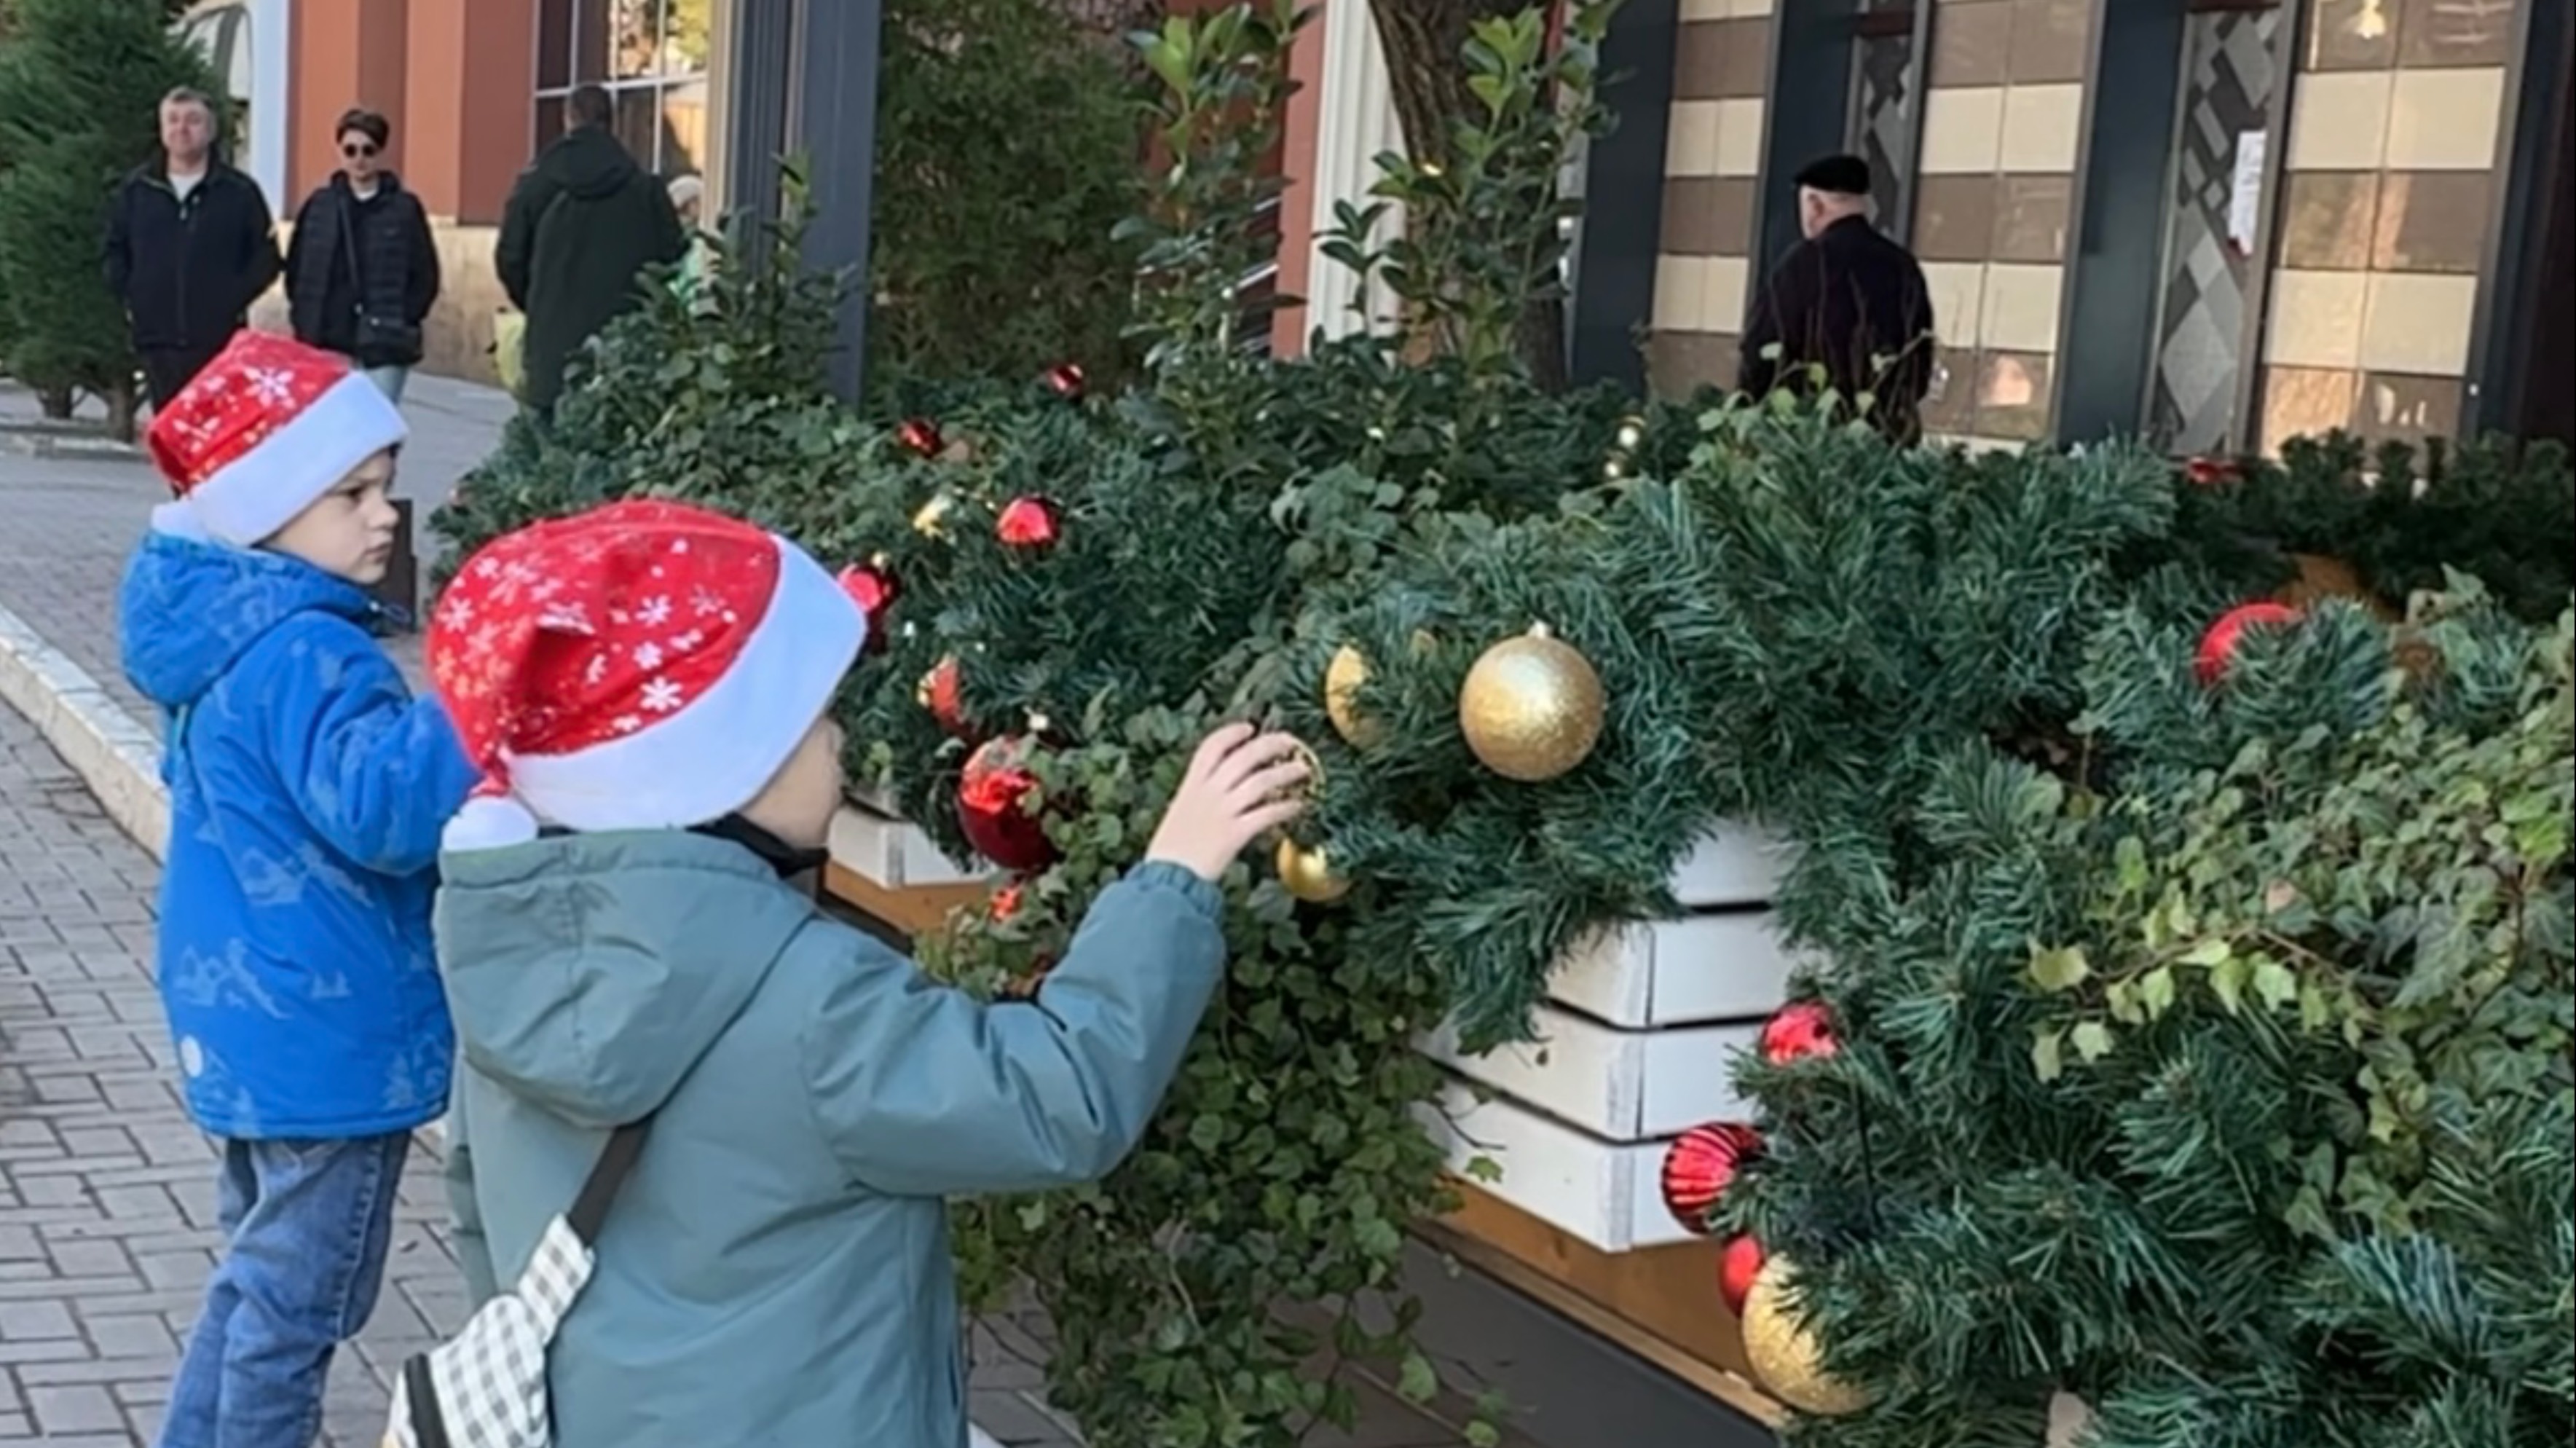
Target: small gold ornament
x=932, y=519
x=1785, y=1356
x=1342, y=680
x=1615, y=470
x=1532, y=707
x=1632, y=433
x=1308, y=873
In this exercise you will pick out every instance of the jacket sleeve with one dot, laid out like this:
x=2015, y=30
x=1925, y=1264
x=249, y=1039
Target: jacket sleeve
x=922, y=1090
x=260, y=262
x=1780, y=295
x=374, y=771
x=515, y=251
x=119, y=251
x=294, y=265
x=422, y=293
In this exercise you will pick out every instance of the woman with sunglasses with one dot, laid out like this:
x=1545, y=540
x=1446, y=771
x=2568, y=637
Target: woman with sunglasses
x=362, y=271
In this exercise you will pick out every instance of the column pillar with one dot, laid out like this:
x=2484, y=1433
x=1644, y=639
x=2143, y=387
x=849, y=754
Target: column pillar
x=350, y=54
x=833, y=122
x=470, y=107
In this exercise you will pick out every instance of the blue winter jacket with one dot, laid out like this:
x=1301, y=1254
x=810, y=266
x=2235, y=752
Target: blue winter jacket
x=307, y=791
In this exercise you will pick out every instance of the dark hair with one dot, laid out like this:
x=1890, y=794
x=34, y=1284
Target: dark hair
x=366, y=123
x=1836, y=176
x=188, y=95
x=591, y=105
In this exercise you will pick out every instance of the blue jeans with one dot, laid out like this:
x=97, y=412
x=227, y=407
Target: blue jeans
x=305, y=1224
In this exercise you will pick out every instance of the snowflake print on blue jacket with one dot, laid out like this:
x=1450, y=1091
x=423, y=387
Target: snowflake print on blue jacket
x=307, y=792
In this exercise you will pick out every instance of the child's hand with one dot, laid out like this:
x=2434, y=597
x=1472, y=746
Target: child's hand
x=1230, y=795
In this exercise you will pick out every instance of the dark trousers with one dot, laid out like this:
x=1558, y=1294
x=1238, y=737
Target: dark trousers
x=167, y=369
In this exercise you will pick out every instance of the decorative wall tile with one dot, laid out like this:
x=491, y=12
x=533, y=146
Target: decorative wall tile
x=2419, y=323
x=2031, y=217
x=1748, y=9
x=2316, y=319
x=2432, y=221
x=1955, y=218
x=2050, y=40
x=1690, y=139
x=2350, y=35
x=1708, y=215
x=2396, y=408
x=2339, y=121
x=2303, y=401
x=1677, y=293
x=1722, y=285
x=2445, y=120
x=2455, y=32
x=1718, y=59
x=2020, y=307
x=2042, y=124
x=1678, y=363
x=1707, y=10
x=1739, y=138
x=1958, y=300
x=1950, y=409
x=2326, y=219
x=1962, y=131
x=1972, y=44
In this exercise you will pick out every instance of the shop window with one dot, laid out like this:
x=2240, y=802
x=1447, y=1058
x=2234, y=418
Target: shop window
x=651, y=54
x=1887, y=82
x=2213, y=203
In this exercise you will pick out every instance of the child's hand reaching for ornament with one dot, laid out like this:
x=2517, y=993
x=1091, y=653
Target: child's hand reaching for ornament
x=1240, y=783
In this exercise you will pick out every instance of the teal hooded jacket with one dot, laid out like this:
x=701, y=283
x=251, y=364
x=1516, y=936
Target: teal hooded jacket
x=776, y=1272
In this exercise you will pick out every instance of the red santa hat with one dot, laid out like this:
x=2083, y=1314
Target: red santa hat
x=267, y=427
x=644, y=665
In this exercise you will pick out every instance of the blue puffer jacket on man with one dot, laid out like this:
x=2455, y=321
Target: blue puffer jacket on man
x=307, y=792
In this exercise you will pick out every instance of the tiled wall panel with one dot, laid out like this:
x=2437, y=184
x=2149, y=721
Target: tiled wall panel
x=2388, y=192
x=1712, y=165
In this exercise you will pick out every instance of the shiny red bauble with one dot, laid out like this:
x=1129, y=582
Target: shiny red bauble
x=874, y=588
x=1736, y=1268
x=2218, y=646
x=1029, y=523
x=941, y=694
x=1802, y=1030
x=1701, y=1164
x=1065, y=380
x=992, y=806
x=920, y=436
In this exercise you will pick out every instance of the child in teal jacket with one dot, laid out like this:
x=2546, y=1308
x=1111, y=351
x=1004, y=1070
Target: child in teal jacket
x=621, y=944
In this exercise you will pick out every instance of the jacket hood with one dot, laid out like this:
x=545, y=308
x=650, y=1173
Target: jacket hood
x=589, y=973
x=190, y=605
x=589, y=163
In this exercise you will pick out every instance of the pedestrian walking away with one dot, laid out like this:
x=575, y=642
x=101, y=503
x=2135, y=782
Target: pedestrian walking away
x=307, y=789
x=1847, y=301
x=362, y=269
x=191, y=243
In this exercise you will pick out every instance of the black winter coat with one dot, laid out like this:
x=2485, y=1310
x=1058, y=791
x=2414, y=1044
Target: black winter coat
x=392, y=270
x=188, y=271
x=1854, y=302
x=583, y=224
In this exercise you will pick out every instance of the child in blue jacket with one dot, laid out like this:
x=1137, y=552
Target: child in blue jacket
x=307, y=790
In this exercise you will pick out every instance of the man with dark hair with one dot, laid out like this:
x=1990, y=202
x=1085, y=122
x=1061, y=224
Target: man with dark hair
x=582, y=226
x=190, y=245
x=1846, y=301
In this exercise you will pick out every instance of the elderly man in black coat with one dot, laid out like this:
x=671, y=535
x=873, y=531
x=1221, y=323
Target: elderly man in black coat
x=1846, y=302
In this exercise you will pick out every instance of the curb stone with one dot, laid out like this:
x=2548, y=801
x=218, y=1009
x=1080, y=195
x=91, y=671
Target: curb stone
x=118, y=759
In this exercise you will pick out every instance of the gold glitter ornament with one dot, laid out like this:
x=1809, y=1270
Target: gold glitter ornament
x=932, y=519
x=1342, y=680
x=1532, y=707
x=1632, y=433
x=1785, y=1357
x=1307, y=873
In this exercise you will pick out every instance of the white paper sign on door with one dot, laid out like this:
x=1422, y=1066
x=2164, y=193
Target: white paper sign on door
x=2245, y=201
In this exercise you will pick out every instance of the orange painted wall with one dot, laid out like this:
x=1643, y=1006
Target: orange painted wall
x=471, y=68
x=1304, y=123
x=345, y=53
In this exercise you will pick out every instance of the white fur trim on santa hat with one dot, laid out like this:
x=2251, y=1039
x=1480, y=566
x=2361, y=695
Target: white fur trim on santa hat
x=488, y=822
x=721, y=749
x=249, y=499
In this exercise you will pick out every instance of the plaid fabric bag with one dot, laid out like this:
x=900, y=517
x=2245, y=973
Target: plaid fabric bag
x=486, y=1387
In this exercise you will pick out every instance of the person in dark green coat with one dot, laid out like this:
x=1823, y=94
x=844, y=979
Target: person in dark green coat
x=646, y=684
x=583, y=224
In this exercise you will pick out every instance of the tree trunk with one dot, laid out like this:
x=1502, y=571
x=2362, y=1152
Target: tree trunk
x=56, y=402
x=123, y=405
x=1425, y=41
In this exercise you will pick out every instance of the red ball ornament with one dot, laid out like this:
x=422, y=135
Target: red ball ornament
x=1736, y=1268
x=1700, y=1165
x=2212, y=472
x=1065, y=380
x=920, y=436
x=1029, y=523
x=992, y=806
x=940, y=694
x=874, y=588
x=1802, y=1029
x=2218, y=646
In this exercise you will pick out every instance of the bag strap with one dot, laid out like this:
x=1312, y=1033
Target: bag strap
x=616, y=1161
x=348, y=205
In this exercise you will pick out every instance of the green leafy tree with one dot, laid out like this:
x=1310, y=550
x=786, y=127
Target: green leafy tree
x=80, y=87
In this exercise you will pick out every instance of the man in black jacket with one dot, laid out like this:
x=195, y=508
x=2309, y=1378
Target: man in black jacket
x=190, y=245
x=1846, y=300
x=582, y=225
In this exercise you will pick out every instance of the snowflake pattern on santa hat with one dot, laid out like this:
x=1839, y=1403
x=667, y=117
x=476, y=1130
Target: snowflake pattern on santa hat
x=239, y=401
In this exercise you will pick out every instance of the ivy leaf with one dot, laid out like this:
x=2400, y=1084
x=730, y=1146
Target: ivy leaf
x=2047, y=1053
x=2227, y=979
x=2156, y=992
x=2274, y=982
x=2060, y=969
x=1416, y=1381
x=2092, y=1040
